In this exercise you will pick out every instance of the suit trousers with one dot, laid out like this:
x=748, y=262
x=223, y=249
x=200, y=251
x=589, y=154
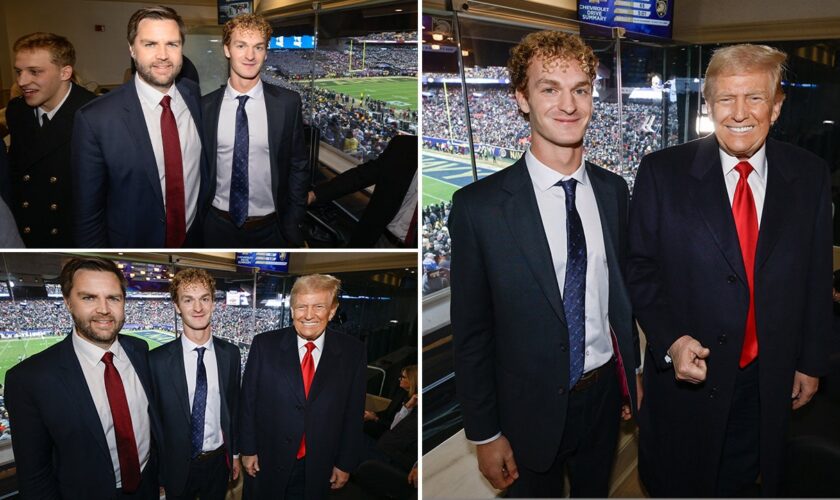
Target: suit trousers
x=739, y=462
x=148, y=489
x=207, y=479
x=587, y=448
x=220, y=232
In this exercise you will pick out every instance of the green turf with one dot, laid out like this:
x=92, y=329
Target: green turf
x=399, y=91
x=435, y=191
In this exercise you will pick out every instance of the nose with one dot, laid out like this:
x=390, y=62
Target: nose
x=740, y=111
x=162, y=53
x=566, y=103
x=249, y=53
x=102, y=306
x=23, y=78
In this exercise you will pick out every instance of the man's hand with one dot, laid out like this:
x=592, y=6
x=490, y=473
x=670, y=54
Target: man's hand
x=495, y=461
x=310, y=197
x=251, y=464
x=369, y=415
x=412, y=476
x=234, y=472
x=804, y=388
x=339, y=478
x=626, y=414
x=689, y=359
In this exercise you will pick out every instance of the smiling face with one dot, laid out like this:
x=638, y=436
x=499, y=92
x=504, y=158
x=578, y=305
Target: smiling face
x=743, y=108
x=247, y=53
x=558, y=102
x=311, y=312
x=158, y=52
x=97, y=305
x=195, y=305
x=43, y=82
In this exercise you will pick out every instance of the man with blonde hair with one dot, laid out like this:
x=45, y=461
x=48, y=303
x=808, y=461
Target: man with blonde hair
x=40, y=127
x=729, y=274
x=253, y=132
x=303, y=395
x=196, y=381
x=545, y=348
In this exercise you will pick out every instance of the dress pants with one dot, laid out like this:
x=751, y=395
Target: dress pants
x=220, y=232
x=587, y=449
x=739, y=463
x=207, y=479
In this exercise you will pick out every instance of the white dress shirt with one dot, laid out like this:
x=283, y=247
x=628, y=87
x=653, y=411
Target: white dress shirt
x=93, y=368
x=757, y=178
x=551, y=200
x=188, y=136
x=213, y=437
x=39, y=112
x=260, y=198
x=399, y=224
x=316, y=352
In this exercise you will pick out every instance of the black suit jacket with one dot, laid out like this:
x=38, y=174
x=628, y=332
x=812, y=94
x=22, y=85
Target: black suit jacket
x=510, y=331
x=119, y=200
x=169, y=380
x=274, y=413
x=42, y=200
x=289, y=159
x=686, y=277
x=392, y=172
x=400, y=443
x=60, y=447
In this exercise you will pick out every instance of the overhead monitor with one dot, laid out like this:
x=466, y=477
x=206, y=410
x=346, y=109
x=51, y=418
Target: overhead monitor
x=228, y=9
x=643, y=17
x=266, y=261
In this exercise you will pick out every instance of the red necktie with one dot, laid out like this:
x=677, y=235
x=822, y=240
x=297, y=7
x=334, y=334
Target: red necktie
x=307, y=367
x=746, y=222
x=123, y=430
x=176, y=225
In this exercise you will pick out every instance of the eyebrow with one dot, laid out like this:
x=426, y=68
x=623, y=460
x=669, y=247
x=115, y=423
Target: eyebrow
x=550, y=81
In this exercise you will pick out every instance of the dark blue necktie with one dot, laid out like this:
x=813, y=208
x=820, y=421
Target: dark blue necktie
x=239, y=174
x=199, y=404
x=574, y=289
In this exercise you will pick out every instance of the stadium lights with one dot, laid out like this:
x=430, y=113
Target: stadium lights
x=435, y=46
x=398, y=10
x=437, y=37
x=465, y=53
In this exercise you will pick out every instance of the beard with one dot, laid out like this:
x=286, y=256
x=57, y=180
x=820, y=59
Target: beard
x=86, y=330
x=145, y=72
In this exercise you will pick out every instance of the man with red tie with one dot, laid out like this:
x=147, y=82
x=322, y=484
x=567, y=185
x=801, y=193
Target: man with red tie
x=137, y=153
x=83, y=422
x=300, y=431
x=730, y=273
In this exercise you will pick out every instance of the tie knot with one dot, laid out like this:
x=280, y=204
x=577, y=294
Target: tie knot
x=242, y=98
x=310, y=346
x=108, y=358
x=200, y=351
x=569, y=186
x=165, y=101
x=744, y=168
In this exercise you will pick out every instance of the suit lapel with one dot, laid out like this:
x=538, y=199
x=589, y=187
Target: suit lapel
x=178, y=376
x=223, y=365
x=328, y=366
x=141, y=366
x=57, y=132
x=522, y=216
x=276, y=117
x=290, y=365
x=710, y=198
x=135, y=121
x=778, y=203
x=76, y=385
x=213, y=139
x=607, y=200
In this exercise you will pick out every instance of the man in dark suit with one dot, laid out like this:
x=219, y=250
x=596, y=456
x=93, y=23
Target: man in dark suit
x=81, y=413
x=9, y=236
x=730, y=277
x=545, y=348
x=137, y=155
x=390, y=218
x=254, y=137
x=40, y=126
x=303, y=396
x=196, y=381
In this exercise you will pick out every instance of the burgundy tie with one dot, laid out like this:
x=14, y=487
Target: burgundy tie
x=123, y=430
x=176, y=225
x=746, y=222
x=307, y=367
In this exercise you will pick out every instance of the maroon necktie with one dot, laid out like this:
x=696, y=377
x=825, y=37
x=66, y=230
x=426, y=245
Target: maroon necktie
x=746, y=222
x=176, y=225
x=307, y=367
x=123, y=430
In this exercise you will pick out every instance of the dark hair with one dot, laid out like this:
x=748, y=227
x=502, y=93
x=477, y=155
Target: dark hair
x=160, y=13
x=61, y=50
x=88, y=264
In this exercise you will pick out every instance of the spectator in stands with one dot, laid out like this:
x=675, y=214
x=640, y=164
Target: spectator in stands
x=82, y=410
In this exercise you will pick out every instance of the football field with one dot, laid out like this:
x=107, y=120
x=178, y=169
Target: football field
x=445, y=174
x=399, y=91
x=13, y=351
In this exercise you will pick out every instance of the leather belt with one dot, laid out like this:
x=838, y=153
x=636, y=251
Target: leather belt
x=255, y=222
x=207, y=455
x=589, y=378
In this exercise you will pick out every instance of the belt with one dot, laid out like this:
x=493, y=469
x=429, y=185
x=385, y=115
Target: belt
x=207, y=455
x=255, y=222
x=589, y=378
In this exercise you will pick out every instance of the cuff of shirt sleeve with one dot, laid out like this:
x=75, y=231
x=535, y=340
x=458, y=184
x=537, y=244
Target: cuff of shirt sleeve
x=490, y=440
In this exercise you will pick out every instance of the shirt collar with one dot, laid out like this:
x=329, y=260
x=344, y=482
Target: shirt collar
x=190, y=346
x=40, y=111
x=545, y=177
x=319, y=342
x=92, y=353
x=256, y=91
x=152, y=96
x=758, y=161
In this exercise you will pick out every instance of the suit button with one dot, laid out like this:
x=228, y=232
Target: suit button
x=27, y=230
x=26, y=178
x=561, y=391
x=54, y=231
x=713, y=393
x=299, y=407
x=721, y=339
x=53, y=206
x=731, y=279
x=564, y=347
x=53, y=180
x=25, y=204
